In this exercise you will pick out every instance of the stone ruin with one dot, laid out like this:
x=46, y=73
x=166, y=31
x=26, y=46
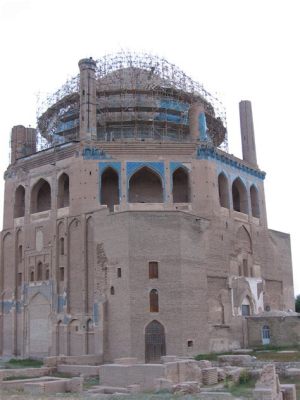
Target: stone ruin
x=128, y=376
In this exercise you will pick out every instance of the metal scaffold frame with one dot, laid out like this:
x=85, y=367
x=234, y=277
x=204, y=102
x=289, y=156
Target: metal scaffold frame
x=161, y=76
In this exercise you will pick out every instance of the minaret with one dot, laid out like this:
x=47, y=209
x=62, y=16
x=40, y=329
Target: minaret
x=88, y=119
x=22, y=142
x=247, y=132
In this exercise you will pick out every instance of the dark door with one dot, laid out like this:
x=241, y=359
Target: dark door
x=155, y=342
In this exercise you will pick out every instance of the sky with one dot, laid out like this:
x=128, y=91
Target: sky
x=239, y=49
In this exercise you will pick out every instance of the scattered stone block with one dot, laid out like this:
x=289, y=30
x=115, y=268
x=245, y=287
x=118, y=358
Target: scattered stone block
x=186, y=388
x=210, y=376
x=204, y=364
x=75, y=370
x=294, y=372
x=268, y=386
x=221, y=374
x=288, y=392
x=163, y=385
x=134, y=388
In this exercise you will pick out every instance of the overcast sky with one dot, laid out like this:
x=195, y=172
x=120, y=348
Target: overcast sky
x=243, y=50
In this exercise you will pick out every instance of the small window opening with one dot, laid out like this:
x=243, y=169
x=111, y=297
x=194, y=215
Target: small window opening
x=47, y=275
x=20, y=253
x=153, y=270
x=39, y=271
x=31, y=276
x=112, y=290
x=76, y=328
x=154, y=307
x=190, y=343
x=20, y=278
x=61, y=274
x=119, y=272
x=61, y=246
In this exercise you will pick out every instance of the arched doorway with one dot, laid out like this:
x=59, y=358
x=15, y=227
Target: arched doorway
x=155, y=342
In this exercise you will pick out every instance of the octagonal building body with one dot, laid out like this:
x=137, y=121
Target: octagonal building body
x=133, y=233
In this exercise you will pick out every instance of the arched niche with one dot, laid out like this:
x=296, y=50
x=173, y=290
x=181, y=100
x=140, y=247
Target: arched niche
x=19, y=205
x=110, y=188
x=239, y=196
x=40, y=197
x=254, y=201
x=145, y=186
x=63, y=191
x=180, y=180
x=223, y=190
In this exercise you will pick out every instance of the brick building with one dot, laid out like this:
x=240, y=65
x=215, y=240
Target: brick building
x=129, y=231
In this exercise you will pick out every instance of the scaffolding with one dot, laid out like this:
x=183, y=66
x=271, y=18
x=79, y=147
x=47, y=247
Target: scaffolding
x=139, y=97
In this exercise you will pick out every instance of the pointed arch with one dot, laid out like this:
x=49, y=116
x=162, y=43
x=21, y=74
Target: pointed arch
x=75, y=272
x=153, y=300
x=239, y=196
x=223, y=190
x=39, y=311
x=254, y=201
x=63, y=191
x=180, y=181
x=90, y=336
x=110, y=188
x=155, y=342
x=19, y=204
x=39, y=271
x=145, y=186
x=40, y=196
x=75, y=338
x=243, y=239
x=90, y=264
x=59, y=338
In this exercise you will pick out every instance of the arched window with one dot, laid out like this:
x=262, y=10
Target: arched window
x=63, y=194
x=223, y=190
x=61, y=246
x=19, y=206
x=254, y=202
x=41, y=196
x=153, y=297
x=145, y=186
x=180, y=186
x=39, y=273
x=112, y=290
x=239, y=196
x=110, y=188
